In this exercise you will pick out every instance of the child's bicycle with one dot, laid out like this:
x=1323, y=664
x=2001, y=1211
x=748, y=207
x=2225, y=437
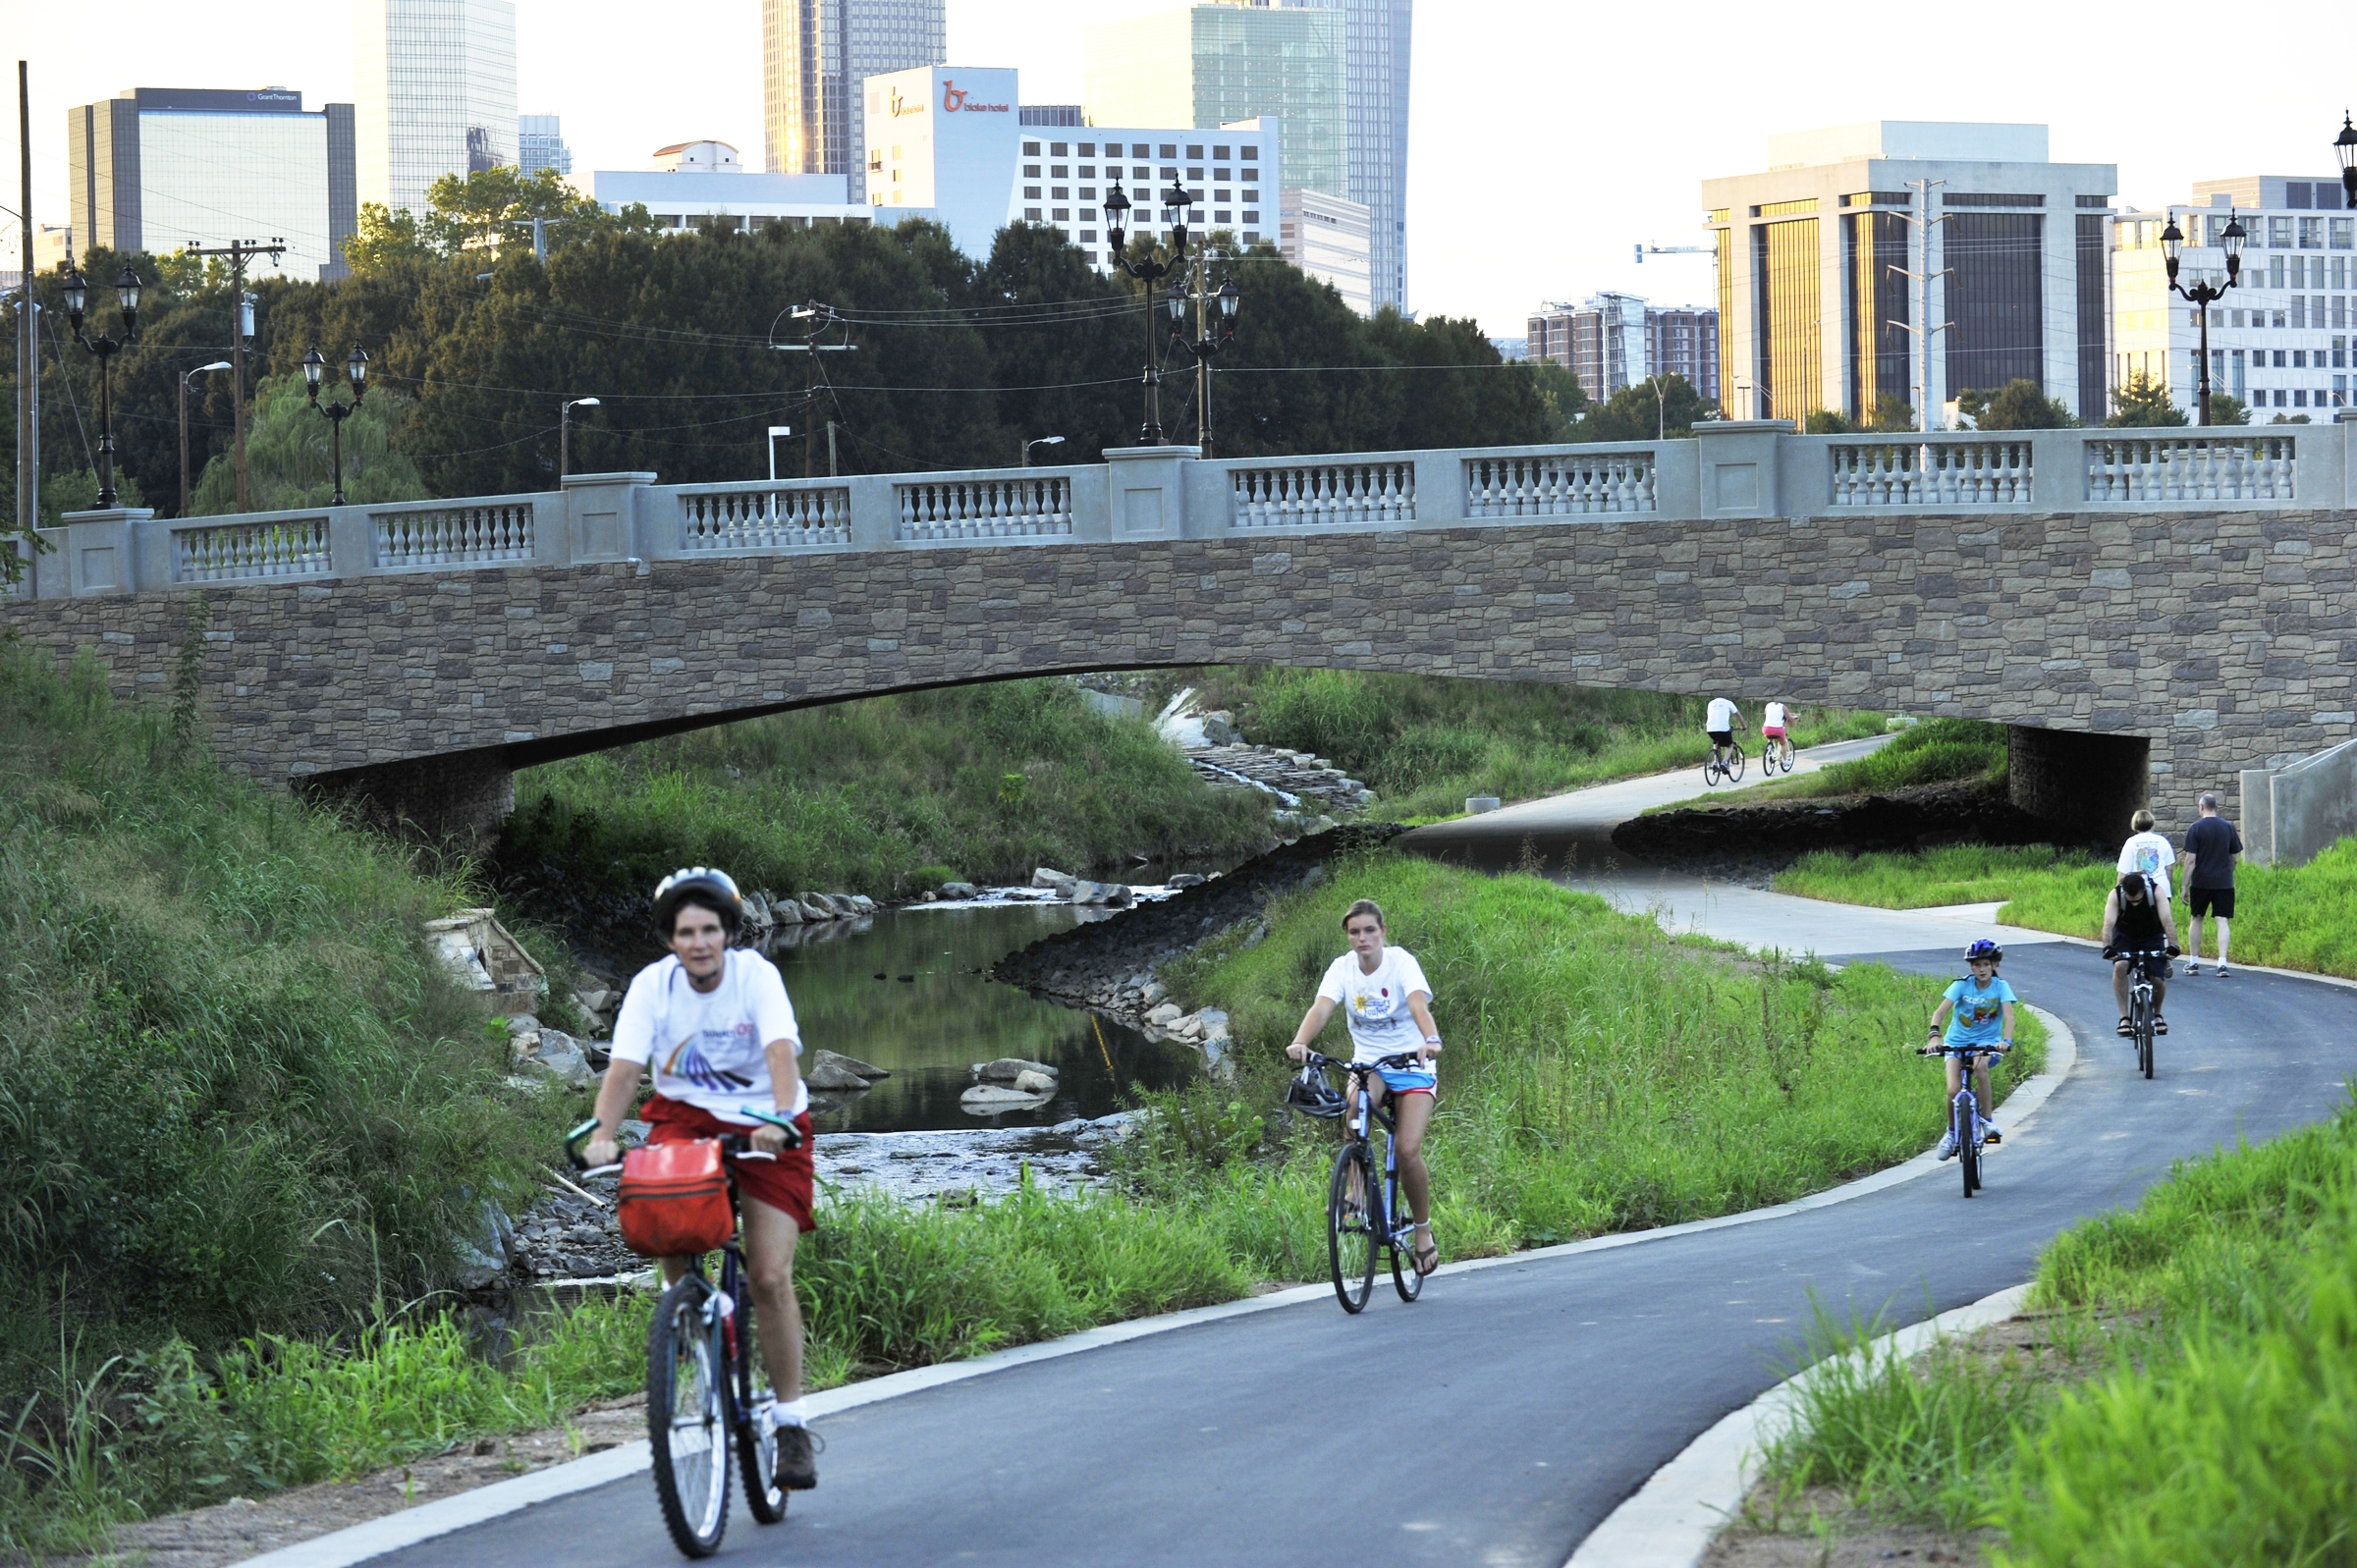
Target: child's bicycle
x=1361, y=1216
x=700, y=1401
x=1965, y=1123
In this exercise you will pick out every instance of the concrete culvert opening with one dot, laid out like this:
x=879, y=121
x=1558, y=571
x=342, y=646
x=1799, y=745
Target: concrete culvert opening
x=2086, y=787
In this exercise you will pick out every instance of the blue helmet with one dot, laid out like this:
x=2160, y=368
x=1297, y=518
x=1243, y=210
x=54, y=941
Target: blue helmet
x=1984, y=948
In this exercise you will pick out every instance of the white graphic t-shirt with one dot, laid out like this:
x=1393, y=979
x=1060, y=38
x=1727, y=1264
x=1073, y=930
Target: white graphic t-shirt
x=1723, y=716
x=710, y=1048
x=1376, y=1005
x=2150, y=855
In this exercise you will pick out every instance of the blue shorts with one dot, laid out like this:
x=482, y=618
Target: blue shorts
x=1409, y=1081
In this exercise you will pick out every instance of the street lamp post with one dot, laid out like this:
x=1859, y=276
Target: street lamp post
x=2346, y=144
x=218, y=364
x=2206, y=292
x=356, y=365
x=1149, y=271
x=1039, y=441
x=1206, y=344
x=127, y=296
x=565, y=434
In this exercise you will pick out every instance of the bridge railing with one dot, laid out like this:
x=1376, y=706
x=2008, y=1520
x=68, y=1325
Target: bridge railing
x=1737, y=470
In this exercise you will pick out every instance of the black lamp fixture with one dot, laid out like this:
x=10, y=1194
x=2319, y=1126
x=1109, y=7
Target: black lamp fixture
x=2346, y=144
x=78, y=299
x=1150, y=269
x=355, y=366
x=1211, y=339
x=2207, y=290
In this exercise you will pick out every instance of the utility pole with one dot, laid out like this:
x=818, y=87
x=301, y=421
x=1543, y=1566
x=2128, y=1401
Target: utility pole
x=1920, y=304
x=239, y=252
x=820, y=317
x=28, y=342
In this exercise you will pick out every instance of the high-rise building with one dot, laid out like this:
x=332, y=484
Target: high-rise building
x=815, y=54
x=2281, y=340
x=158, y=168
x=540, y=144
x=1330, y=238
x=1335, y=72
x=694, y=184
x=1817, y=305
x=1613, y=340
x=435, y=84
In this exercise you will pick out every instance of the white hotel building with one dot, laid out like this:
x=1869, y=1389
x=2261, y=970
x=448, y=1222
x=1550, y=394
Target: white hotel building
x=2280, y=340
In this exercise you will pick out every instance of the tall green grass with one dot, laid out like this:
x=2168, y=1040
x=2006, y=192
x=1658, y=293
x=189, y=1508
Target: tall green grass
x=1939, y=751
x=2291, y=917
x=859, y=797
x=1425, y=744
x=1599, y=1075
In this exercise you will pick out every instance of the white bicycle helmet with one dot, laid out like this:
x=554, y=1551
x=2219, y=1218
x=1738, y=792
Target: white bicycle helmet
x=713, y=885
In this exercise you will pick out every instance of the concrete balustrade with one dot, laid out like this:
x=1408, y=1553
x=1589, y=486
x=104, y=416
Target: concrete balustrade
x=1732, y=469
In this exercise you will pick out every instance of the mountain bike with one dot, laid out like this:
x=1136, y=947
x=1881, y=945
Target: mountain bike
x=1361, y=1216
x=2141, y=1008
x=1965, y=1123
x=1725, y=762
x=700, y=1400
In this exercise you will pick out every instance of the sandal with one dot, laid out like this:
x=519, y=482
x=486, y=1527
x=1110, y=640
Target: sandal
x=1428, y=1260
x=2125, y=1031
x=2159, y=1025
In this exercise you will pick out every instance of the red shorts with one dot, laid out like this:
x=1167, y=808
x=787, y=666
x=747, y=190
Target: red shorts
x=782, y=1183
x=1772, y=732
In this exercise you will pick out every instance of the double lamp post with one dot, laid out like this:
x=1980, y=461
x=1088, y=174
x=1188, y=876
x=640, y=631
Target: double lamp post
x=356, y=365
x=1149, y=268
x=78, y=297
x=2208, y=287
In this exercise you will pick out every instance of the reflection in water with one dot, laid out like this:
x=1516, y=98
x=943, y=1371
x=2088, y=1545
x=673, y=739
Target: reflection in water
x=907, y=991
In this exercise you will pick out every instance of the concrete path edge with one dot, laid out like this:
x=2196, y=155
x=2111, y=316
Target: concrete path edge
x=358, y=1544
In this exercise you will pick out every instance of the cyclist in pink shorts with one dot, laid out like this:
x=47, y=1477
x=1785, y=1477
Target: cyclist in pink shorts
x=1772, y=731
x=1388, y=1005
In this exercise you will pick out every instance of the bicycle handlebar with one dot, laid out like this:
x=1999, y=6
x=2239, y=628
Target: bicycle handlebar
x=2119, y=954
x=737, y=1143
x=1944, y=1049
x=1398, y=1060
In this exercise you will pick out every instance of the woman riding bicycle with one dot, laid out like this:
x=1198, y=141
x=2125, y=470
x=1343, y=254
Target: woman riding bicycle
x=716, y=1022
x=1773, y=740
x=1388, y=1005
x=1978, y=1012
x=2136, y=920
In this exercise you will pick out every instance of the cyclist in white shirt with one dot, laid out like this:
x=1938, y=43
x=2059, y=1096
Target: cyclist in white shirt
x=1720, y=726
x=1388, y=1005
x=1772, y=732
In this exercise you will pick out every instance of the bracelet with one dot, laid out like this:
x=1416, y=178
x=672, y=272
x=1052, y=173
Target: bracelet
x=1432, y=1040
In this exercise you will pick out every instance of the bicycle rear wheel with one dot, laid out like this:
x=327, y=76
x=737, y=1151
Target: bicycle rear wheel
x=1968, y=1145
x=1350, y=1228
x=1709, y=773
x=1404, y=1278
x=686, y=1420
x=756, y=1445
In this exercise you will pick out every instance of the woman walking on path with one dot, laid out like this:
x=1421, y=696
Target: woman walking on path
x=1388, y=1003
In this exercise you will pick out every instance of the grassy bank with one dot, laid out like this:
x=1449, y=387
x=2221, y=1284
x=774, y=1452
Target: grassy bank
x=1939, y=751
x=1426, y=743
x=981, y=781
x=2194, y=1399
x=1599, y=1075
x=2291, y=917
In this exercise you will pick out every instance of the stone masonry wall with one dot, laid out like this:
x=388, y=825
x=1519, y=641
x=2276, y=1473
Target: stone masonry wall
x=2224, y=638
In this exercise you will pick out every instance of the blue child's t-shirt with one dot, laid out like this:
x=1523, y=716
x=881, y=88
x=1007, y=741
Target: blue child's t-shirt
x=1979, y=1018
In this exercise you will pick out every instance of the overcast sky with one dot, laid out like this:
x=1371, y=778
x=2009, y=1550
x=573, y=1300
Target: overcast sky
x=1547, y=139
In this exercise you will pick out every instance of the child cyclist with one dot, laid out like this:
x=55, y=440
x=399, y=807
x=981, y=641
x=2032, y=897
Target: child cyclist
x=1978, y=1012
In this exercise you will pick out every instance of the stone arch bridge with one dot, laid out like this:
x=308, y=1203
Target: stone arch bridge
x=2150, y=612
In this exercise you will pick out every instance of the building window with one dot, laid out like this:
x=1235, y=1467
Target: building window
x=1251, y=217
x=1170, y=172
x=1030, y=149
x=2340, y=353
x=1088, y=192
x=2312, y=234
x=2299, y=358
x=1086, y=149
x=2299, y=313
x=1169, y=149
x=1251, y=195
x=2297, y=193
x=2344, y=233
x=1088, y=236
x=1194, y=173
x=1192, y=152
x=1786, y=269
x=1031, y=193
x=1088, y=214
x=1063, y=171
x=2278, y=234
x=1996, y=296
x=2300, y=400
x=2279, y=360
x=1140, y=173
x=1222, y=217
x=2275, y=272
x=2278, y=320
x=1250, y=238
x=1219, y=152
x=1058, y=149
x=1252, y=155
x=1222, y=173
x=1031, y=214
x=1061, y=193
x=1031, y=171
x=1088, y=171
x=1221, y=195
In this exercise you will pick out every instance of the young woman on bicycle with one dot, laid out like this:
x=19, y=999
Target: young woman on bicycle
x=1388, y=1005
x=716, y=1022
x=2136, y=921
x=1978, y=1012
x=1772, y=738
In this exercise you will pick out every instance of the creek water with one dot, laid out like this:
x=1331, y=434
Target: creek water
x=909, y=989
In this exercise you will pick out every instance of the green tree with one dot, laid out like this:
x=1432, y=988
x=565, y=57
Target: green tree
x=2019, y=405
x=1828, y=422
x=2225, y=408
x=1655, y=407
x=487, y=213
x=289, y=464
x=76, y=490
x=2144, y=401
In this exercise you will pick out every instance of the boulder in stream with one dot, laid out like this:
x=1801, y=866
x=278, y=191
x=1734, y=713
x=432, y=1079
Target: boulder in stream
x=1006, y=1070
x=989, y=1099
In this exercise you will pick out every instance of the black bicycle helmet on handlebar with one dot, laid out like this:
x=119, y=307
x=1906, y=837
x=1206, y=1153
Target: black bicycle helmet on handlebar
x=707, y=886
x=1310, y=1094
x=1984, y=948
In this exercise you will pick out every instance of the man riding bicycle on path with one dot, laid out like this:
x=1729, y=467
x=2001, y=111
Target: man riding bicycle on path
x=1388, y=1005
x=716, y=1022
x=2137, y=921
x=1720, y=726
x=1978, y=1012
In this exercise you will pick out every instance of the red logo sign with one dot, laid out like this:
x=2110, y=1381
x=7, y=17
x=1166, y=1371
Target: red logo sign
x=955, y=99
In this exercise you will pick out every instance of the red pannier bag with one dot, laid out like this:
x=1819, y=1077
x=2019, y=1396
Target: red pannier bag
x=675, y=1198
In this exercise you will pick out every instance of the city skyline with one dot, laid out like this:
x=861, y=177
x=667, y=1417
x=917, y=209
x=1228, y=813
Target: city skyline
x=1491, y=142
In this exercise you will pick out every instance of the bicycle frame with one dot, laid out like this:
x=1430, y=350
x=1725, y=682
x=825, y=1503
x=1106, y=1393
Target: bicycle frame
x=2142, y=1004
x=1965, y=1117
x=1385, y=1201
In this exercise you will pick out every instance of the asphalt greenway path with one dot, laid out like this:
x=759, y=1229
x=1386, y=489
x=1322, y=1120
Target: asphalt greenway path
x=1502, y=1418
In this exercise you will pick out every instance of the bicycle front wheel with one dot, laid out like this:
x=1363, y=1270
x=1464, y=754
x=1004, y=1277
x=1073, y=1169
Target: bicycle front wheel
x=2141, y=1022
x=1968, y=1145
x=1351, y=1228
x=686, y=1420
x=1404, y=1278
x=1734, y=765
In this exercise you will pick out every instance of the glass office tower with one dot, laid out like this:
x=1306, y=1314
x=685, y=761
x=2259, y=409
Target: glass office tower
x=814, y=55
x=434, y=85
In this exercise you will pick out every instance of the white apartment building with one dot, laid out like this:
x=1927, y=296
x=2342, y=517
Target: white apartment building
x=2280, y=340
x=434, y=85
x=695, y=182
x=1332, y=238
x=158, y=168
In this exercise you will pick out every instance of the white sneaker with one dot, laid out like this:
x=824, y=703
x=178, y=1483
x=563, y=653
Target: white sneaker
x=2193, y=967
x=1947, y=1144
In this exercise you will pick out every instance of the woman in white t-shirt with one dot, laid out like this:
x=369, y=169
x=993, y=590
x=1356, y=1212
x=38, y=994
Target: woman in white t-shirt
x=1388, y=1003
